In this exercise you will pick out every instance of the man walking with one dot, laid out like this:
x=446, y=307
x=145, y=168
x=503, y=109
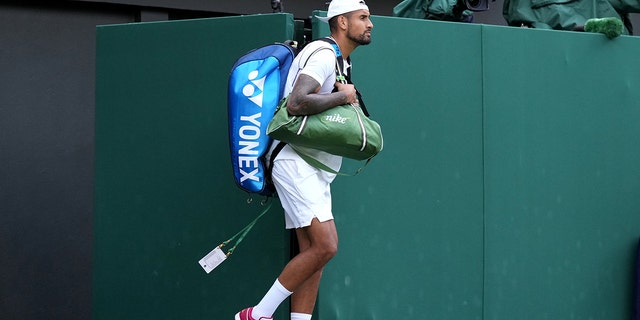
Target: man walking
x=304, y=190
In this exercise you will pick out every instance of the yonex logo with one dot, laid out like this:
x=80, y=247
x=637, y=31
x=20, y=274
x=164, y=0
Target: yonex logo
x=250, y=91
x=247, y=155
x=250, y=132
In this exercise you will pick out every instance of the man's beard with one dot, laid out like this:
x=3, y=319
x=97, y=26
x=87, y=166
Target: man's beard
x=360, y=39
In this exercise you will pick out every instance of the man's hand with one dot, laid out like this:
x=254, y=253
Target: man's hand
x=349, y=90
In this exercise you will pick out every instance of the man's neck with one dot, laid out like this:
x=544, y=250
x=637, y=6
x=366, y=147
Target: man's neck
x=346, y=46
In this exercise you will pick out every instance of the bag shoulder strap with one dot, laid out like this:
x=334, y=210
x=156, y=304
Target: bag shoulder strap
x=318, y=164
x=268, y=177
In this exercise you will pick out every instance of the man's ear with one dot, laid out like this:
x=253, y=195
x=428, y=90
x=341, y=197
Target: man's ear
x=342, y=22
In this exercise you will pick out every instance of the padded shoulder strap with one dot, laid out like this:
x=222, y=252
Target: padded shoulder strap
x=339, y=56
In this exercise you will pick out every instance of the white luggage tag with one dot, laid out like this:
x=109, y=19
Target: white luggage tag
x=217, y=256
x=212, y=259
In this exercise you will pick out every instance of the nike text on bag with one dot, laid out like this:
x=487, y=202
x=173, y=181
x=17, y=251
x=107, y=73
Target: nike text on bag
x=256, y=86
x=343, y=130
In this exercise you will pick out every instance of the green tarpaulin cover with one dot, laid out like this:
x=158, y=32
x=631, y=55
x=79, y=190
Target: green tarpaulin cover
x=566, y=14
x=448, y=10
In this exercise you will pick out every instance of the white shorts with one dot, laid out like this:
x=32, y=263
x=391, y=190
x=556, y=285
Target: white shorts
x=304, y=192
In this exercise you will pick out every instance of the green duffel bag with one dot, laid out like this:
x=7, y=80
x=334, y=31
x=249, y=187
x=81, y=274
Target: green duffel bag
x=343, y=130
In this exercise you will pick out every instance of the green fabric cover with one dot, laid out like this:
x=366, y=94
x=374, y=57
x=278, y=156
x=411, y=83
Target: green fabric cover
x=567, y=14
x=431, y=9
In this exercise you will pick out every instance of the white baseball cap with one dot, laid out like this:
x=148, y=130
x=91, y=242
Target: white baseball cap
x=338, y=7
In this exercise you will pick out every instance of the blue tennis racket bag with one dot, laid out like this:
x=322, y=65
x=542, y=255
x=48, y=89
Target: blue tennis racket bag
x=256, y=85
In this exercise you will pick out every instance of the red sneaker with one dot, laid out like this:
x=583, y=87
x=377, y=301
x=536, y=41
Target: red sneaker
x=246, y=315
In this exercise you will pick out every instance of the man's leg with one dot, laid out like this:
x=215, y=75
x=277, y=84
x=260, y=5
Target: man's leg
x=304, y=298
x=321, y=246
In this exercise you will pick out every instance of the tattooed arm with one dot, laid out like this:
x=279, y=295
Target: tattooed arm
x=305, y=100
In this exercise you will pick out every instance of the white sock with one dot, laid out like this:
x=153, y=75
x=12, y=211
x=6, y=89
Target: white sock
x=300, y=316
x=270, y=301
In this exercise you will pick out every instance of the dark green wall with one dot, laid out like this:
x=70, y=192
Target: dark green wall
x=562, y=174
x=509, y=186
x=411, y=224
x=164, y=190
x=507, y=189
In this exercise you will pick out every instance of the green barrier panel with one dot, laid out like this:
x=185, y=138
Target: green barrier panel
x=508, y=187
x=542, y=222
x=562, y=174
x=411, y=224
x=164, y=190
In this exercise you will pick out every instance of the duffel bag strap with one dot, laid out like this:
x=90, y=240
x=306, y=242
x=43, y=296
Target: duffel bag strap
x=318, y=164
